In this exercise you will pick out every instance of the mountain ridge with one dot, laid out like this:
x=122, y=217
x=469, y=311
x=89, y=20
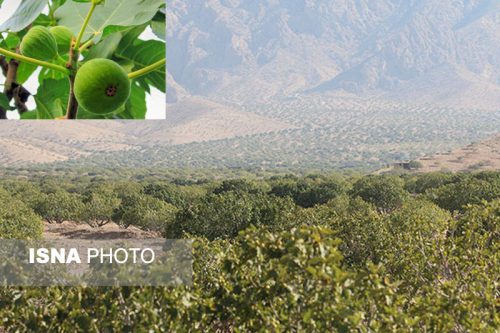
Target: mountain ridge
x=242, y=52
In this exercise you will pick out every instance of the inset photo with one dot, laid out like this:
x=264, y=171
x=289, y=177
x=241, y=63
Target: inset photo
x=94, y=59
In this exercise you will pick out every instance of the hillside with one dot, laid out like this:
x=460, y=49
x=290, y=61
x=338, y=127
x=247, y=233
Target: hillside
x=300, y=133
x=51, y=141
x=482, y=156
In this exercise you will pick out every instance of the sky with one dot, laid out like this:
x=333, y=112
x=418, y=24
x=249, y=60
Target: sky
x=156, y=101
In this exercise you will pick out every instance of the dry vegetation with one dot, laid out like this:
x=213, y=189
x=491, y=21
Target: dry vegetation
x=311, y=133
x=482, y=156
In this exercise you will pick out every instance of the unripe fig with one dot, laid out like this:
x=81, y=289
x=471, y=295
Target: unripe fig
x=101, y=86
x=63, y=37
x=39, y=43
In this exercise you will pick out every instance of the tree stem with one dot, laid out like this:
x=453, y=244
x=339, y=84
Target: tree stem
x=32, y=61
x=12, y=89
x=85, y=24
x=72, y=109
x=147, y=69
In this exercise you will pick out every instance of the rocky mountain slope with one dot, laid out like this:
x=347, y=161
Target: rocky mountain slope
x=443, y=52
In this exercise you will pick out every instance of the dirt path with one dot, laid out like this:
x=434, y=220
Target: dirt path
x=73, y=230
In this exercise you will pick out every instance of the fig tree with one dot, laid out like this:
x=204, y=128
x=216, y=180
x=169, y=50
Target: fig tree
x=101, y=86
x=63, y=38
x=40, y=44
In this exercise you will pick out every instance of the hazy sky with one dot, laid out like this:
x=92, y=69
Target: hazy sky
x=156, y=102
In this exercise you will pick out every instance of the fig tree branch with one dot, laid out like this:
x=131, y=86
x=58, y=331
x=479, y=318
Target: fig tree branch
x=148, y=69
x=32, y=61
x=72, y=108
x=4, y=65
x=12, y=89
x=93, y=5
x=86, y=45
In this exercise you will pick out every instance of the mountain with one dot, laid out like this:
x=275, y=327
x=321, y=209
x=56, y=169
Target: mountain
x=441, y=52
x=302, y=84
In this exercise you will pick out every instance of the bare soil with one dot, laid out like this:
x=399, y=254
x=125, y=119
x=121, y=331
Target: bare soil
x=73, y=230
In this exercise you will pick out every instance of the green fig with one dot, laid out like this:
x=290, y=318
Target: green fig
x=102, y=86
x=40, y=44
x=63, y=37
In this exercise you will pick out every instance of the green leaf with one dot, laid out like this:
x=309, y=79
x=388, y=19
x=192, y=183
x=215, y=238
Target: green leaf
x=114, y=12
x=43, y=110
x=46, y=74
x=32, y=115
x=12, y=41
x=52, y=98
x=159, y=29
x=136, y=106
x=24, y=72
x=106, y=47
x=143, y=54
x=24, y=15
x=159, y=26
x=4, y=101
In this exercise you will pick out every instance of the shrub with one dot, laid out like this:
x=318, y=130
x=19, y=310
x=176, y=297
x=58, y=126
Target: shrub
x=99, y=205
x=294, y=281
x=355, y=222
x=59, y=206
x=311, y=190
x=416, y=236
x=145, y=212
x=224, y=215
x=385, y=192
x=468, y=190
x=423, y=182
x=17, y=221
x=166, y=192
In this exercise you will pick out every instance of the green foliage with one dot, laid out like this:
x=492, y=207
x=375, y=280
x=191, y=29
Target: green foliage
x=240, y=185
x=310, y=191
x=467, y=190
x=224, y=215
x=145, y=212
x=59, y=206
x=415, y=240
x=356, y=223
x=100, y=205
x=385, y=192
x=428, y=181
x=262, y=263
x=18, y=221
x=415, y=165
x=165, y=192
x=294, y=281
